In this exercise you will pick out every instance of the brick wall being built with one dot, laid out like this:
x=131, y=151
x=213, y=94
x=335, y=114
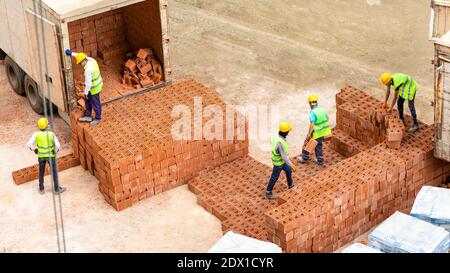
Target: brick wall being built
x=368, y=176
x=132, y=152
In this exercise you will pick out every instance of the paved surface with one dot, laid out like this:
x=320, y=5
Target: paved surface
x=252, y=52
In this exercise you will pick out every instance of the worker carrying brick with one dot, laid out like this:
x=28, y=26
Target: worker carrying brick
x=47, y=146
x=92, y=87
x=405, y=89
x=319, y=128
x=280, y=159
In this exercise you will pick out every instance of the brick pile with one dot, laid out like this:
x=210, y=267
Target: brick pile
x=31, y=173
x=141, y=69
x=395, y=132
x=132, y=152
x=362, y=184
x=101, y=35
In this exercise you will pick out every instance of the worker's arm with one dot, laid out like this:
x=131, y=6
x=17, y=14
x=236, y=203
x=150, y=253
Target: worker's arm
x=394, y=101
x=31, y=142
x=386, y=97
x=56, y=142
x=283, y=155
x=87, y=81
x=310, y=132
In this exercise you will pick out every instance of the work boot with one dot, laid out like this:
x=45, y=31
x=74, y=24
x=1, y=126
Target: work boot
x=85, y=119
x=291, y=186
x=301, y=160
x=414, y=128
x=270, y=195
x=320, y=163
x=95, y=122
x=60, y=190
x=41, y=191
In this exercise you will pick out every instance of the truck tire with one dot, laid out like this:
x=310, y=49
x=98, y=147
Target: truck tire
x=33, y=95
x=15, y=76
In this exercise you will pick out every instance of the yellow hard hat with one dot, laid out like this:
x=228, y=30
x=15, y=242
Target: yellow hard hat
x=385, y=78
x=42, y=123
x=313, y=98
x=80, y=57
x=285, y=127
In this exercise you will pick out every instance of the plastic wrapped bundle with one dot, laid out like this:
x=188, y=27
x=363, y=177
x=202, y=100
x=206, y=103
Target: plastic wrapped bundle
x=402, y=233
x=360, y=248
x=236, y=243
x=432, y=204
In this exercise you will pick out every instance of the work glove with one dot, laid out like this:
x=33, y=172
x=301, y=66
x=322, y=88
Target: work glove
x=36, y=151
x=383, y=105
x=68, y=52
x=389, y=110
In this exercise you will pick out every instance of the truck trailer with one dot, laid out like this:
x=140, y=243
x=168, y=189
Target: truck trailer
x=34, y=35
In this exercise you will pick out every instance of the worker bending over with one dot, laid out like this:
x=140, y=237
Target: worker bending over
x=319, y=128
x=92, y=87
x=47, y=146
x=405, y=89
x=280, y=159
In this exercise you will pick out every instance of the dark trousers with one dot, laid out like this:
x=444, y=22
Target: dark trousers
x=93, y=101
x=52, y=162
x=276, y=174
x=411, y=106
x=318, y=150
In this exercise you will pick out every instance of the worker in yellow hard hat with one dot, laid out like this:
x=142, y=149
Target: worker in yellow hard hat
x=405, y=89
x=280, y=159
x=47, y=145
x=92, y=87
x=319, y=129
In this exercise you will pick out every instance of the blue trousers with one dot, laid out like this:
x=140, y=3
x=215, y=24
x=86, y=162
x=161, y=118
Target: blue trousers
x=319, y=151
x=93, y=101
x=411, y=106
x=276, y=174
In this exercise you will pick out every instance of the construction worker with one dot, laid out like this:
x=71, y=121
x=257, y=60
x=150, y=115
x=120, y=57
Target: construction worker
x=319, y=128
x=92, y=87
x=405, y=89
x=280, y=159
x=47, y=146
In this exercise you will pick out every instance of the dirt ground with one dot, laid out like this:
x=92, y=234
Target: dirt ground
x=255, y=52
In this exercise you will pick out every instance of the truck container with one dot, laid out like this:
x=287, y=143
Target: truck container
x=35, y=34
x=439, y=33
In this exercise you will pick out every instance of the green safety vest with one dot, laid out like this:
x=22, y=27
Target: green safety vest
x=45, y=145
x=407, y=86
x=97, y=81
x=321, y=125
x=276, y=157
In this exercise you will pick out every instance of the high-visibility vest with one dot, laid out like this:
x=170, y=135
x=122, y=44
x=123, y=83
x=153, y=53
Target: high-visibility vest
x=97, y=81
x=407, y=86
x=321, y=125
x=45, y=145
x=276, y=157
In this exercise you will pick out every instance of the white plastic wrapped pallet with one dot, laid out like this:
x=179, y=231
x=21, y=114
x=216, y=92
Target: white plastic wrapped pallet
x=236, y=243
x=402, y=233
x=360, y=248
x=432, y=204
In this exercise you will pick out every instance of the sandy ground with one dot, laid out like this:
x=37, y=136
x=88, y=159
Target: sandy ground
x=256, y=52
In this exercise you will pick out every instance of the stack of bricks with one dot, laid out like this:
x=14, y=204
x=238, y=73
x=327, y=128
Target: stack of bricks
x=31, y=173
x=142, y=69
x=234, y=192
x=132, y=152
x=101, y=35
x=395, y=132
x=362, y=184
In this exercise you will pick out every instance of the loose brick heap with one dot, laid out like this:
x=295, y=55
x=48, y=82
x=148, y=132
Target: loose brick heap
x=328, y=207
x=31, y=173
x=141, y=69
x=132, y=152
